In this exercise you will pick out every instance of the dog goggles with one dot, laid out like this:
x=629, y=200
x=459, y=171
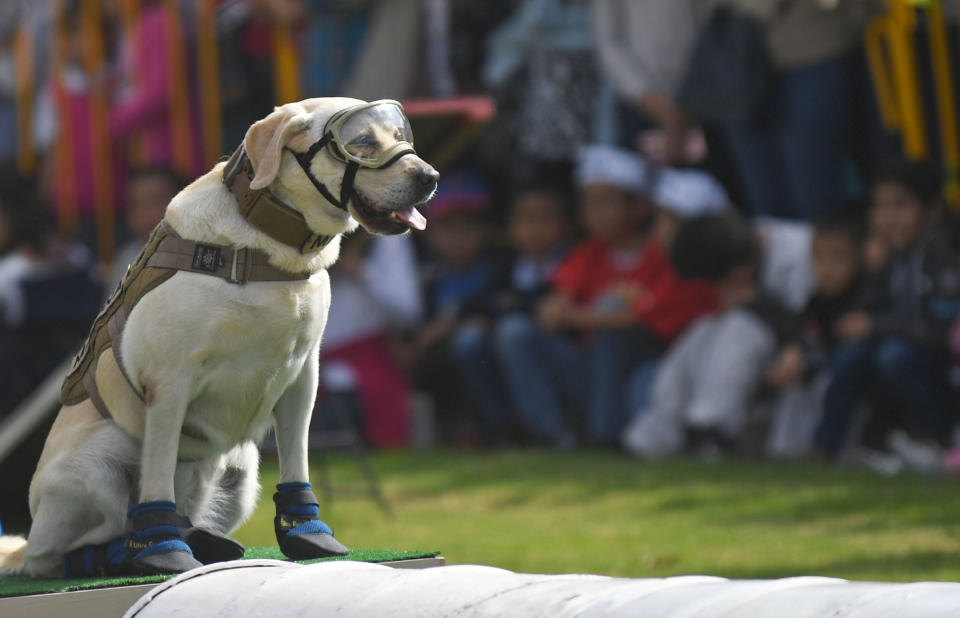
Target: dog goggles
x=372, y=135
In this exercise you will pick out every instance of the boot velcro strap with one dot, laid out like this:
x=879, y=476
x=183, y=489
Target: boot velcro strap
x=148, y=519
x=86, y=562
x=302, y=497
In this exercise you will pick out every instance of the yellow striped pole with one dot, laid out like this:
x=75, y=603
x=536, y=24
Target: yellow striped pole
x=24, y=88
x=209, y=83
x=94, y=56
x=881, y=73
x=179, y=101
x=946, y=100
x=63, y=152
x=137, y=147
x=900, y=34
x=286, y=66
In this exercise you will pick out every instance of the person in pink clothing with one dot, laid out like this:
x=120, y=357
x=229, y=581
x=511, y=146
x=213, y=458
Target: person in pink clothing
x=140, y=84
x=66, y=122
x=376, y=296
x=147, y=83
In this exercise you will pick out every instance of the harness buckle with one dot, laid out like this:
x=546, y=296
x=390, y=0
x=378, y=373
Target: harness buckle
x=233, y=166
x=239, y=270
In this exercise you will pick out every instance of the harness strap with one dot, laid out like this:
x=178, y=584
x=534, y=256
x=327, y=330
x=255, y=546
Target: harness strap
x=236, y=265
x=266, y=212
x=305, y=158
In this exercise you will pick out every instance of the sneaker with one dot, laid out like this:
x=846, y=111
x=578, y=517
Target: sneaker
x=887, y=464
x=919, y=456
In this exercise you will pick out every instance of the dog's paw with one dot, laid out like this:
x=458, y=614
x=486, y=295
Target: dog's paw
x=155, y=546
x=300, y=534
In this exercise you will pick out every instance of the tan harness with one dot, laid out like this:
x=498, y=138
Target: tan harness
x=166, y=252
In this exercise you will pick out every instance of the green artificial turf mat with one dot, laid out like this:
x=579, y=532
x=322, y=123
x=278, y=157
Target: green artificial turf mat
x=22, y=585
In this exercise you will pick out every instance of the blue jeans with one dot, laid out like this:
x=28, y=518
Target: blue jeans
x=547, y=372
x=541, y=371
x=913, y=377
x=794, y=162
x=639, y=387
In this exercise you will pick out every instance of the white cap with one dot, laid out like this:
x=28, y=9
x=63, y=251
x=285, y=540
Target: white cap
x=614, y=166
x=689, y=192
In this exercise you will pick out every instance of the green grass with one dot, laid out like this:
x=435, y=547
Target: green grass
x=603, y=513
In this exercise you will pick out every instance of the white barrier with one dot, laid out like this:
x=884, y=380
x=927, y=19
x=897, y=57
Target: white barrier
x=353, y=589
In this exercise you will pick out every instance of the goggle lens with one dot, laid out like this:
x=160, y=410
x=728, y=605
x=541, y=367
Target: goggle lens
x=371, y=134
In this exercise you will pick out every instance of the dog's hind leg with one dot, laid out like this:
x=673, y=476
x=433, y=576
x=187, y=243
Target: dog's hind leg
x=79, y=496
x=300, y=533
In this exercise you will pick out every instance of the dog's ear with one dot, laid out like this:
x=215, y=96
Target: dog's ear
x=266, y=138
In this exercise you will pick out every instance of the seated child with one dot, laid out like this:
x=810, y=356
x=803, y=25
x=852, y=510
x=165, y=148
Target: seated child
x=901, y=344
x=376, y=297
x=708, y=377
x=457, y=274
x=678, y=195
x=615, y=302
x=149, y=190
x=838, y=292
x=539, y=229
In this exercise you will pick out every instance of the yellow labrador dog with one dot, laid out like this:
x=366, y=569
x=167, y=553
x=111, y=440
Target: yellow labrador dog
x=213, y=337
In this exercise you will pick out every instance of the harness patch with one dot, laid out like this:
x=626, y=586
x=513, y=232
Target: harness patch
x=207, y=258
x=319, y=242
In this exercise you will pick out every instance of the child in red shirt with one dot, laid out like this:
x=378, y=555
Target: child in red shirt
x=616, y=293
x=645, y=281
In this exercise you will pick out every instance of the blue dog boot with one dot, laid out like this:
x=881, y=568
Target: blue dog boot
x=300, y=534
x=154, y=547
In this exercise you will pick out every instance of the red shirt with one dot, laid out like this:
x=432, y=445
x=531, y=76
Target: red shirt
x=660, y=300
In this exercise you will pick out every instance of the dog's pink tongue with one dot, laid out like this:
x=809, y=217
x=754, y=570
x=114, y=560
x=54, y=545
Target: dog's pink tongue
x=413, y=218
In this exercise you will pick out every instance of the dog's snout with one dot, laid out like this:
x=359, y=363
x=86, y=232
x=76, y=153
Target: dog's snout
x=427, y=176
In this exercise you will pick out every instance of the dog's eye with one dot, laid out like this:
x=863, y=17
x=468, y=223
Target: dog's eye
x=364, y=140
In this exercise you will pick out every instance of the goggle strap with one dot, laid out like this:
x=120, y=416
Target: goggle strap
x=304, y=159
x=402, y=153
x=346, y=187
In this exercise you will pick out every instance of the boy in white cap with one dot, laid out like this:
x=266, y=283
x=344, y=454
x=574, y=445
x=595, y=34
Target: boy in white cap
x=615, y=302
x=681, y=194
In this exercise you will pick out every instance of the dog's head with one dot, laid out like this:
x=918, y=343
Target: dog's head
x=384, y=200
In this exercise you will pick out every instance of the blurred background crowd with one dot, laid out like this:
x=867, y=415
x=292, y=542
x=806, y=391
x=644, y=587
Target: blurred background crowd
x=708, y=227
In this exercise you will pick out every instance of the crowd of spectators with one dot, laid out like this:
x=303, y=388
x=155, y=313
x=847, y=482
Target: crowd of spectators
x=625, y=258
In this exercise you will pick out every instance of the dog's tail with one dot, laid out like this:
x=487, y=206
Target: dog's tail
x=13, y=550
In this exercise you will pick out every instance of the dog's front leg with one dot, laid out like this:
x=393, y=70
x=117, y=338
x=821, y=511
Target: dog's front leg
x=300, y=533
x=154, y=545
x=161, y=443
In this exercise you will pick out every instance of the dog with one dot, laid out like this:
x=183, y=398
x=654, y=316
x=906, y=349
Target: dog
x=151, y=467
